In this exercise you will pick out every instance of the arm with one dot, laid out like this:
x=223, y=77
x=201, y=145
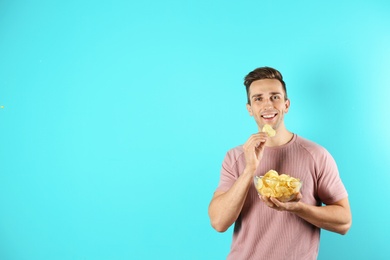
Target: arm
x=334, y=217
x=225, y=207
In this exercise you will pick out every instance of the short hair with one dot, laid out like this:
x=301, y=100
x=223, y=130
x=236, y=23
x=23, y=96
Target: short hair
x=263, y=73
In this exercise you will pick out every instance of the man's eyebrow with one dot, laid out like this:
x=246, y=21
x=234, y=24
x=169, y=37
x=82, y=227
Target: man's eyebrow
x=256, y=95
x=271, y=93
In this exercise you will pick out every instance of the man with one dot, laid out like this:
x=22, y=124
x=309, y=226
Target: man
x=266, y=228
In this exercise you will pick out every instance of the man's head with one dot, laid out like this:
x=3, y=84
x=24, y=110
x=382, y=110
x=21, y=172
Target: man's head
x=263, y=73
x=267, y=97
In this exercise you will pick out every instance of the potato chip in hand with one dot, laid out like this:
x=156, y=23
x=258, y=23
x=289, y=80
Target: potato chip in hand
x=269, y=130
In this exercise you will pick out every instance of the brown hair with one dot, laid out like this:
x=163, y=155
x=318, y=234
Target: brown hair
x=263, y=73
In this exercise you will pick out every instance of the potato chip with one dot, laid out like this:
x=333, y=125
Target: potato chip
x=269, y=130
x=283, y=187
x=271, y=173
x=281, y=190
x=268, y=192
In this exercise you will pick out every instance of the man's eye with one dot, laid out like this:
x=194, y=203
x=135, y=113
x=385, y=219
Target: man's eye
x=258, y=99
x=275, y=97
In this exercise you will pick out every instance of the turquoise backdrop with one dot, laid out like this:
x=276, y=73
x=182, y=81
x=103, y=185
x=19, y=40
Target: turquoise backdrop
x=115, y=117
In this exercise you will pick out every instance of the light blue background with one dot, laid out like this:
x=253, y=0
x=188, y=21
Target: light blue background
x=117, y=116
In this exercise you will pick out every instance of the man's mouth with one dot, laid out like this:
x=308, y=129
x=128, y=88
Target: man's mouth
x=269, y=116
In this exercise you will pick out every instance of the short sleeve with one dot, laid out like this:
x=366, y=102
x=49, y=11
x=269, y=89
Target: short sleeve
x=230, y=170
x=330, y=186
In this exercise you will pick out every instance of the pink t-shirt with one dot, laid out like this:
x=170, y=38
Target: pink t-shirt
x=263, y=233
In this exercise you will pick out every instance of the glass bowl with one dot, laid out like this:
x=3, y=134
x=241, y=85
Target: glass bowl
x=284, y=188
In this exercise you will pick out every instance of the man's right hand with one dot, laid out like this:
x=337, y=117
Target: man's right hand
x=225, y=207
x=253, y=150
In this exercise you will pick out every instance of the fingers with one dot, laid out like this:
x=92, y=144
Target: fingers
x=253, y=149
x=267, y=201
x=275, y=204
x=256, y=140
x=296, y=198
x=259, y=137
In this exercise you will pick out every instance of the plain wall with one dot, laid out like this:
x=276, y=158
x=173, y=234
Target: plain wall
x=117, y=115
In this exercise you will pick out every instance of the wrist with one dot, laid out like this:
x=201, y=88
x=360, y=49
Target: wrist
x=250, y=170
x=298, y=208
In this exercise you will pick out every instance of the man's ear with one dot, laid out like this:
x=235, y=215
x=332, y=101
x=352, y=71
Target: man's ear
x=249, y=108
x=287, y=105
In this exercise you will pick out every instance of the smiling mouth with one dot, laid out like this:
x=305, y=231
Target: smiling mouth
x=269, y=116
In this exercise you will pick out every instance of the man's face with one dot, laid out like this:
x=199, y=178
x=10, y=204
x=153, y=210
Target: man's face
x=267, y=102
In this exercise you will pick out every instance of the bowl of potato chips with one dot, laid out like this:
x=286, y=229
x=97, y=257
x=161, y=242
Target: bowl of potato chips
x=282, y=187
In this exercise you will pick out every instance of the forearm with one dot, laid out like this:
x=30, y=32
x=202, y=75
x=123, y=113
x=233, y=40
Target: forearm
x=335, y=218
x=225, y=208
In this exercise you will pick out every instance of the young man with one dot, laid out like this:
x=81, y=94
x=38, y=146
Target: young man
x=266, y=228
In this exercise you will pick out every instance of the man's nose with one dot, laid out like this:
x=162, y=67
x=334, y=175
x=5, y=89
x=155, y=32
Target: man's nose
x=267, y=103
